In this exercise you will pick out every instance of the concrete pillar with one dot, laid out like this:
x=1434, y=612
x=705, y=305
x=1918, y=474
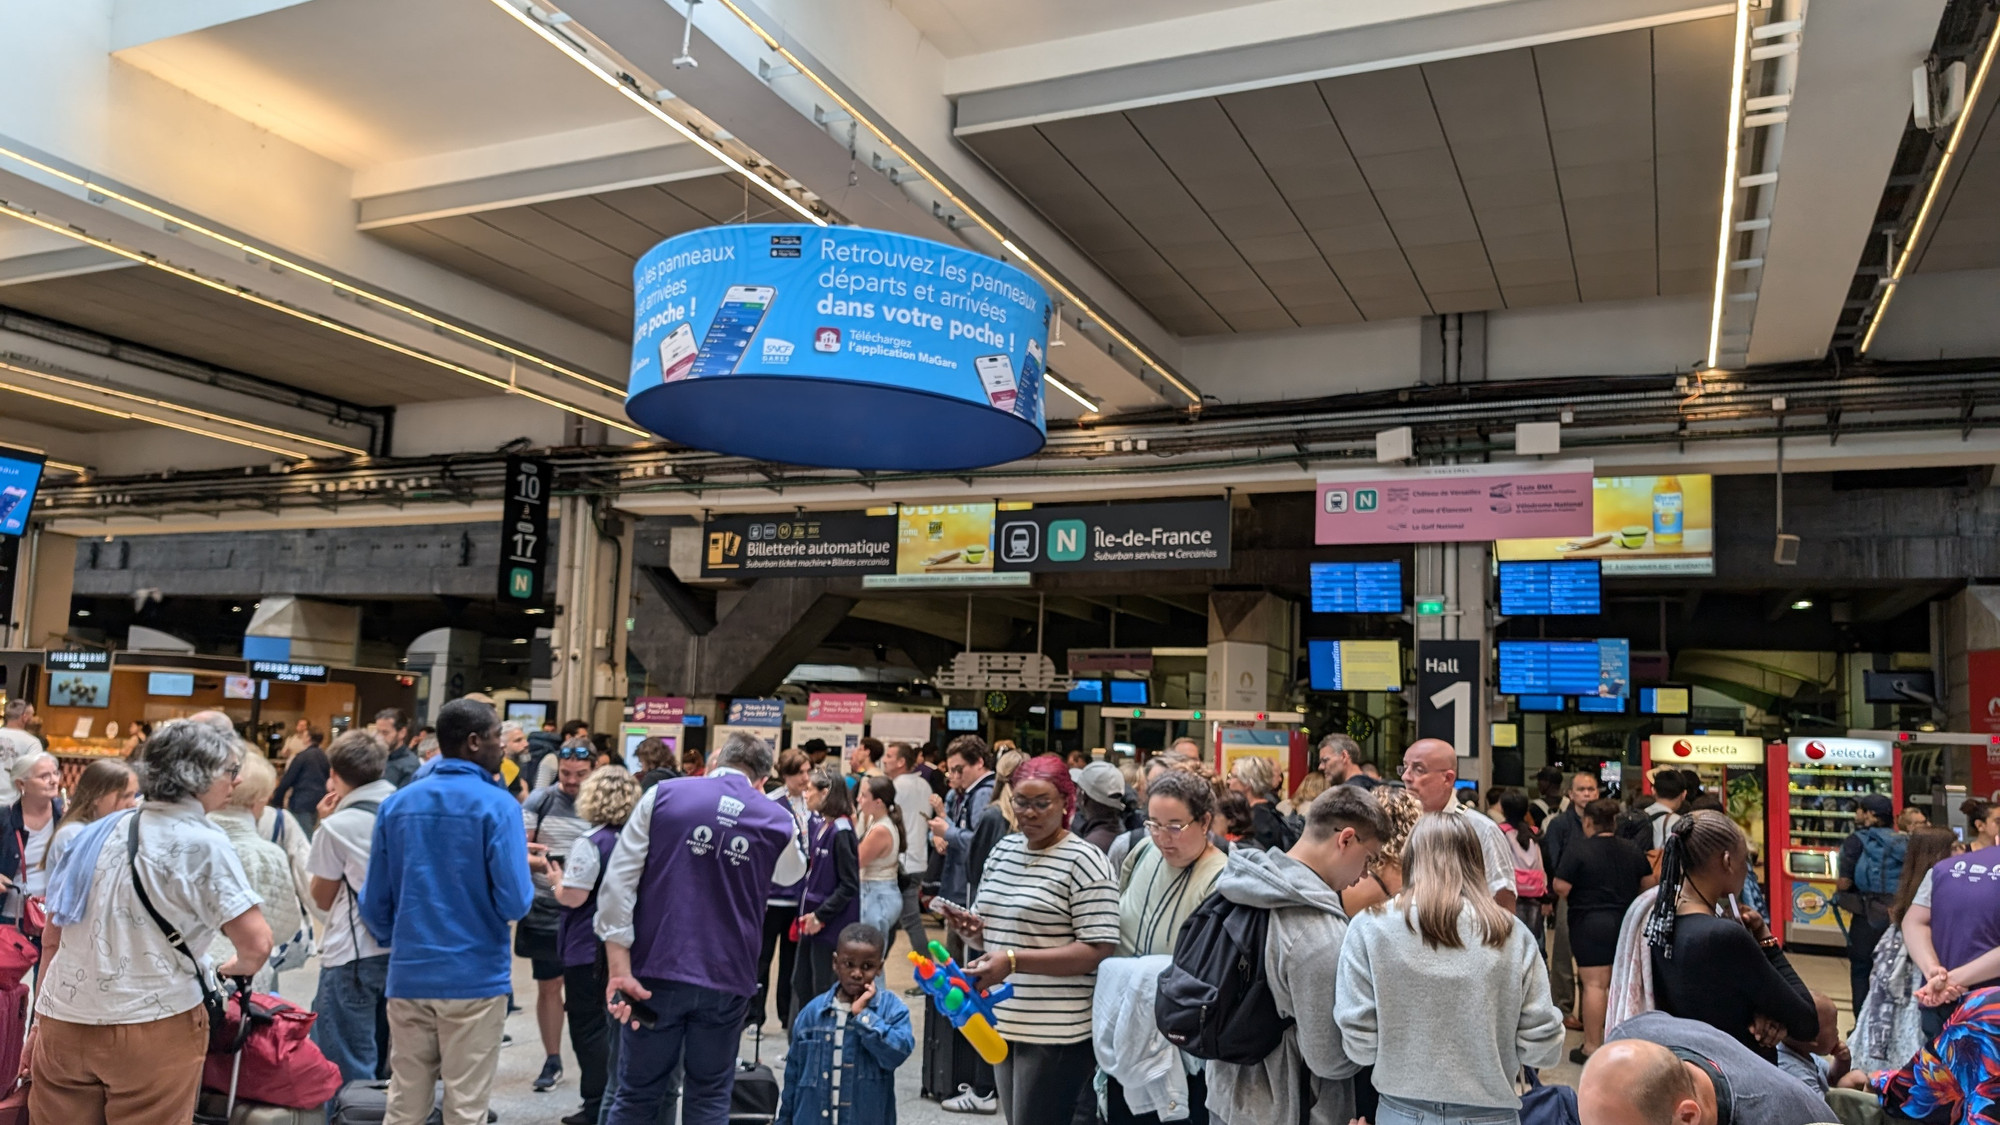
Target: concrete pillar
x=450, y=657
x=744, y=645
x=593, y=593
x=1461, y=574
x=1249, y=637
x=47, y=577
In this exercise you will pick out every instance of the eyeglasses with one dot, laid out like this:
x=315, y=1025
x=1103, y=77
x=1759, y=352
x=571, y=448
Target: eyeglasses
x=1411, y=769
x=1032, y=804
x=1159, y=829
x=576, y=754
x=235, y=770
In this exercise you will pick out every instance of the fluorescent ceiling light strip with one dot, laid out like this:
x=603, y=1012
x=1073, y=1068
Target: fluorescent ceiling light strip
x=308, y=271
x=65, y=466
x=1729, y=185
x=1049, y=377
x=937, y=183
x=1931, y=193
x=161, y=404
x=639, y=99
x=128, y=416
x=311, y=318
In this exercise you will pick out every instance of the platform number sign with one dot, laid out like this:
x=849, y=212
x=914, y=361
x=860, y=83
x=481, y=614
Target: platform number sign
x=1448, y=692
x=524, y=532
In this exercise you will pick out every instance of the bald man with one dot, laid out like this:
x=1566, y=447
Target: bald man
x=1655, y=1069
x=1430, y=770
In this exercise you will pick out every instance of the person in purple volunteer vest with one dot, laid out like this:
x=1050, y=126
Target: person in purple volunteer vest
x=605, y=801
x=680, y=911
x=830, y=897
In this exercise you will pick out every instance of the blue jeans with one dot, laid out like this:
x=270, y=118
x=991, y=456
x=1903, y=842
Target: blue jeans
x=353, y=1025
x=882, y=908
x=1403, y=1111
x=697, y=1033
x=668, y=1104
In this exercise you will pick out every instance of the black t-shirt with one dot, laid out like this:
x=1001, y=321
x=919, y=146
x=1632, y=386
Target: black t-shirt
x=1604, y=873
x=1720, y=976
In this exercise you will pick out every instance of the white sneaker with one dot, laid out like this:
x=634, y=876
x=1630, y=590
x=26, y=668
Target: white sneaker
x=969, y=1102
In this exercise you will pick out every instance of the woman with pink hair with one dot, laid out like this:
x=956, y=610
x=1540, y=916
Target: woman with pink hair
x=1046, y=914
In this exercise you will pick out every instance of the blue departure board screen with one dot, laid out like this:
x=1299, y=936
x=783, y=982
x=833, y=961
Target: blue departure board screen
x=1568, y=588
x=1365, y=587
x=1537, y=703
x=1601, y=667
x=1601, y=704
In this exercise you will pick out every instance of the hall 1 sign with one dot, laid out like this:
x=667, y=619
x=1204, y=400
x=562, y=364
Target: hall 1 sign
x=1448, y=689
x=524, y=532
x=285, y=671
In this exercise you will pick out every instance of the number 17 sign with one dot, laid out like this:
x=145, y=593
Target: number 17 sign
x=524, y=532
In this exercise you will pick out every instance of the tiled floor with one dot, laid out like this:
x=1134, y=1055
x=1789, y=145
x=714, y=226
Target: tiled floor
x=517, y=1104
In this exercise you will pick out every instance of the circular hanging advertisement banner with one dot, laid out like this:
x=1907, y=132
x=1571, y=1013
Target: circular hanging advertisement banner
x=838, y=347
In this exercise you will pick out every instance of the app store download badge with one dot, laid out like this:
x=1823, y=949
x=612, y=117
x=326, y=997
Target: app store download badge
x=1068, y=540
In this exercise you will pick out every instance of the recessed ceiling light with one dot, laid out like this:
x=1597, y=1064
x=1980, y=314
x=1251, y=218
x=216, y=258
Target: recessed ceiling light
x=1802, y=603
x=83, y=613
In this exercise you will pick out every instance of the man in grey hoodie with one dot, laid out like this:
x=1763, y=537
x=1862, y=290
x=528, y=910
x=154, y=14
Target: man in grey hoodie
x=1345, y=829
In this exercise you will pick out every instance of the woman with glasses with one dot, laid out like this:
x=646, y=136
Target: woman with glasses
x=1165, y=876
x=1046, y=914
x=830, y=897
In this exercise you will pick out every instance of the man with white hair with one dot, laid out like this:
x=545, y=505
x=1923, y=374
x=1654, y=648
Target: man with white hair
x=16, y=742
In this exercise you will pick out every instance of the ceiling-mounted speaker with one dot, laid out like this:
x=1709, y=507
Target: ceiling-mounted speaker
x=1936, y=103
x=1786, y=551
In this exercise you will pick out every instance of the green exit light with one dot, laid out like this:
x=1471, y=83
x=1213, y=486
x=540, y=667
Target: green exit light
x=1138, y=712
x=1430, y=607
x=1197, y=715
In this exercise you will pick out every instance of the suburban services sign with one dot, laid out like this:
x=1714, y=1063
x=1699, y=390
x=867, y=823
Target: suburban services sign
x=1166, y=535
x=838, y=346
x=941, y=544
x=813, y=543
x=1454, y=503
x=1727, y=749
x=1838, y=752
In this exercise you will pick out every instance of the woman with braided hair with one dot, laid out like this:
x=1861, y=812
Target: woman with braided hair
x=1712, y=961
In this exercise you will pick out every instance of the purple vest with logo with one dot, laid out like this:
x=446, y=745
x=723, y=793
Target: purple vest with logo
x=700, y=911
x=576, y=935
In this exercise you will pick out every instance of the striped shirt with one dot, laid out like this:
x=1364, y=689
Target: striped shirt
x=1043, y=900
x=550, y=818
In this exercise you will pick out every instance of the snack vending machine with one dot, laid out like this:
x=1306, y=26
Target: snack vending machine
x=1732, y=766
x=1822, y=779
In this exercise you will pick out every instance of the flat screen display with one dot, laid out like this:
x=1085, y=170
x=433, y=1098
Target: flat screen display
x=1355, y=665
x=179, y=685
x=961, y=720
x=530, y=713
x=20, y=478
x=1357, y=587
x=1663, y=701
x=1599, y=667
x=1539, y=703
x=240, y=687
x=1570, y=588
x=1601, y=704
x=1087, y=691
x=79, y=689
x=1130, y=693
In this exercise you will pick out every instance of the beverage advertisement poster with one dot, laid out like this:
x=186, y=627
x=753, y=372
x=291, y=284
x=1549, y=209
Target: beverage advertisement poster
x=1639, y=525
x=944, y=538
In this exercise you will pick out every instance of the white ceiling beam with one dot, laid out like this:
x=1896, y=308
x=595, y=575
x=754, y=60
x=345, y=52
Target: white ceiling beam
x=658, y=165
x=1183, y=67
x=137, y=22
x=1848, y=110
x=51, y=264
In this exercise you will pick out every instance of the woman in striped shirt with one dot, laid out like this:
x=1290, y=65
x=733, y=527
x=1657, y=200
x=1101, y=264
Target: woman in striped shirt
x=1046, y=914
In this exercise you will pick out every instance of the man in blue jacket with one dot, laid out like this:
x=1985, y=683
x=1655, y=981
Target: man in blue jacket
x=447, y=874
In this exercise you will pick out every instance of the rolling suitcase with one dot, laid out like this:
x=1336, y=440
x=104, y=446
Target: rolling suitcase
x=13, y=1033
x=948, y=1059
x=366, y=1102
x=753, y=1100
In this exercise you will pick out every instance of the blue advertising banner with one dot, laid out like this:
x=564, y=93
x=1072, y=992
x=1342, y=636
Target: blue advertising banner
x=838, y=347
x=756, y=712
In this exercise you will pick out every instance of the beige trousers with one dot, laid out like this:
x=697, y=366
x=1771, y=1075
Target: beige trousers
x=456, y=1040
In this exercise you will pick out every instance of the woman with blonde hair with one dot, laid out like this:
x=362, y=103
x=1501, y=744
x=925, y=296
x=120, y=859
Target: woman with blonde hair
x=1401, y=1002
x=1312, y=785
x=106, y=786
x=269, y=869
x=605, y=801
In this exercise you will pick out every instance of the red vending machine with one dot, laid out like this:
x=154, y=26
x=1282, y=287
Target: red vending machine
x=1822, y=779
x=1733, y=766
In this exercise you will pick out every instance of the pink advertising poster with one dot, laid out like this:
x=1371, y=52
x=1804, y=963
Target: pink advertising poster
x=659, y=709
x=1454, y=503
x=836, y=708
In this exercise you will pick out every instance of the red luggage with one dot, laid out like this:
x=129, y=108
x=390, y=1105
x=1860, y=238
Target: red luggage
x=14, y=1107
x=279, y=1064
x=13, y=1034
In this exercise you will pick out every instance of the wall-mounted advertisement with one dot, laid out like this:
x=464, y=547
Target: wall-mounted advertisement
x=1639, y=525
x=944, y=539
x=750, y=546
x=1453, y=503
x=838, y=346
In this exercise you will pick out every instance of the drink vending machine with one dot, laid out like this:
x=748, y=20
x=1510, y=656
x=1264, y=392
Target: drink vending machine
x=1732, y=766
x=1821, y=779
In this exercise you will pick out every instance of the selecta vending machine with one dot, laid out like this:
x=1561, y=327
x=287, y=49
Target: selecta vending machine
x=1821, y=779
x=1732, y=766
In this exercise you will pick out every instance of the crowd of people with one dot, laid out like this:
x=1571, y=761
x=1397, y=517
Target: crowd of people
x=1179, y=945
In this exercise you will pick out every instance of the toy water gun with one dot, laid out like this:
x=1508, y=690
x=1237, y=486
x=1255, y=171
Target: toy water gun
x=969, y=1009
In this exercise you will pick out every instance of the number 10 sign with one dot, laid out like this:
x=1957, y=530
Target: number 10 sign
x=524, y=532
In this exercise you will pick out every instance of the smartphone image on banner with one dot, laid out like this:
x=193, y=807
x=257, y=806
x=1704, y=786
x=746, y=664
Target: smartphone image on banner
x=677, y=354
x=996, y=375
x=1028, y=403
x=742, y=311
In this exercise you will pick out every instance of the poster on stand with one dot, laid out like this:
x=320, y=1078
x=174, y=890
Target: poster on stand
x=840, y=739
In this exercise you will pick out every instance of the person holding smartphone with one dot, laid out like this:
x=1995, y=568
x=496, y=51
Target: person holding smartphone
x=1046, y=915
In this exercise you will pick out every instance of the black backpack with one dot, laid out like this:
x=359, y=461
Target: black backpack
x=1214, y=1001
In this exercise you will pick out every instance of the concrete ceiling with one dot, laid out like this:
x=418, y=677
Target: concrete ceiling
x=1965, y=235
x=187, y=319
x=963, y=27
x=16, y=406
x=575, y=255
x=1575, y=171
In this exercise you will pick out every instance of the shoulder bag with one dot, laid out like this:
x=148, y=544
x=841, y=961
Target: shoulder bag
x=212, y=998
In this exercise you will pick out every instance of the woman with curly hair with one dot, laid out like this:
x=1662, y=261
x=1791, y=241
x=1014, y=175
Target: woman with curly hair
x=1384, y=879
x=605, y=801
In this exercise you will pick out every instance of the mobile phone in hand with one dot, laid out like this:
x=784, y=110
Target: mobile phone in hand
x=642, y=1013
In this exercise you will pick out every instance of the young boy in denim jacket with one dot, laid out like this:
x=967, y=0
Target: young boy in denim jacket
x=848, y=1042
